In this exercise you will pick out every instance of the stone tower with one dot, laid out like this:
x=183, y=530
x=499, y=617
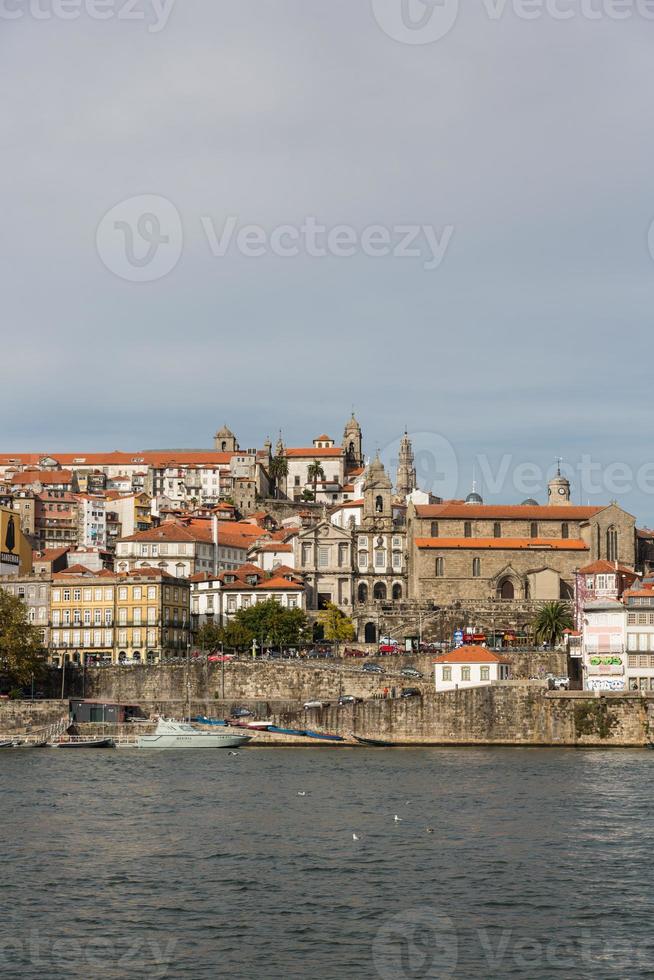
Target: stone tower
x=558, y=491
x=377, y=497
x=225, y=441
x=353, y=444
x=406, y=471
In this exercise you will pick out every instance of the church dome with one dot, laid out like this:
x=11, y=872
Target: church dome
x=529, y=502
x=224, y=433
x=474, y=498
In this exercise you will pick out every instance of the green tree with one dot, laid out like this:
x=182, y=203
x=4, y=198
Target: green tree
x=278, y=471
x=269, y=622
x=336, y=625
x=22, y=655
x=209, y=636
x=551, y=622
x=236, y=636
x=315, y=472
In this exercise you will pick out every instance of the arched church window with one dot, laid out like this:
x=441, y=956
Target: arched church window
x=440, y=567
x=467, y=529
x=379, y=504
x=476, y=567
x=612, y=543
x=379, y=591
x=533, y=530
x=565, y=530
x=362, y=593
x=497, y=530
x=434, y=529
x=397, y=591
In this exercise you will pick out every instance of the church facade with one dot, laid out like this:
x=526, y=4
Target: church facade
x=466, y=550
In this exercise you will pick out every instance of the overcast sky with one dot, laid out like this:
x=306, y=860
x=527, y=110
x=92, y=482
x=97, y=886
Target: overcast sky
x=525, y=146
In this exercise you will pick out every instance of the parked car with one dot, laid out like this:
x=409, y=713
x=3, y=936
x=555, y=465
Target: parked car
x=386, y=648
x=314, y=704
x=241, y=713
x=217, y=658
x=411, y=672
x=348, y=699
x=350, y=652
x=373, y=669
x=410, y=692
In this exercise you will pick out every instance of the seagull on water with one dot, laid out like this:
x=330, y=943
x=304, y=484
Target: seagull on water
x=232, y=753
x=430, y=830
x=301, y=793
x=354, y=837
x=397, y=819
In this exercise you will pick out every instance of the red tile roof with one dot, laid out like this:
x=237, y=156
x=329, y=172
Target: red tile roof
x=332, y=451
x=502, y=544
x=457, y=510
x=41, y=476
x=602, y=567
x=471, y=655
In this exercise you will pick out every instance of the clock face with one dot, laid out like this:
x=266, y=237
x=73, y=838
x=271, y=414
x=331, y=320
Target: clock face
x=562, y=491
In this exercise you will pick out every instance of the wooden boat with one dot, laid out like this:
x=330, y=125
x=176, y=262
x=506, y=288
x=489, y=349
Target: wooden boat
x=376, y=743
x=324, y=736
x=79, y=742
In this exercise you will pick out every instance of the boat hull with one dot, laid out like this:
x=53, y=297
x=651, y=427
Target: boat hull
x=97, y=743
x=199, y=740
x=375, y=743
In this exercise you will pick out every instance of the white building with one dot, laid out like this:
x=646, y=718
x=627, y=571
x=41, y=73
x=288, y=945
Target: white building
x=470, y=666
x=91, y=521
x=639, y=614
x=603, y=645
x=217, y=599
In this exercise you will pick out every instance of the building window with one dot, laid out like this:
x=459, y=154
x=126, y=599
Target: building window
x=467, y=529
x=533, y=529
x=484, y=673
x=447, y=673
x=306, y=554
x=434, y=529
x=565, y=531
x=612, y=543
x=497, y=530
x=440, y=567
x=476, y=567
x=465, y=673
x=362, y=593
x=379, y=592
x=397, y=591
x=380, y=558
x=323, y=557
x=379, y=504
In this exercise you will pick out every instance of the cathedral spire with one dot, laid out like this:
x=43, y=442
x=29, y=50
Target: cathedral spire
x=406, y=472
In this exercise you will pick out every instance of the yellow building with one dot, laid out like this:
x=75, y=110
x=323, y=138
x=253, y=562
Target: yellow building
x=138, y=617
x=15, y=550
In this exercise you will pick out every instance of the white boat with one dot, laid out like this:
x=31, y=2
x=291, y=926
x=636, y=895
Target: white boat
x=180, y=735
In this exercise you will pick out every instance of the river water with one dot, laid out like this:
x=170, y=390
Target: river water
x=203, y=864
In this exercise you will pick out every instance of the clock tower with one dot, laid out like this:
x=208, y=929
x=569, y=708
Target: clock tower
x=558, y=491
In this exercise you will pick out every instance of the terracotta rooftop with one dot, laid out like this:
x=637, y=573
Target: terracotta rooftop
x=471, y=655
x=458, y=510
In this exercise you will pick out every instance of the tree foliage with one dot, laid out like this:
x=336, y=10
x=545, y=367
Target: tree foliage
x=278, y=471
x=336, y=625
x=236, y=636
x=209, y=636
x=551, y=622
x=272, y=624
x=22, y=655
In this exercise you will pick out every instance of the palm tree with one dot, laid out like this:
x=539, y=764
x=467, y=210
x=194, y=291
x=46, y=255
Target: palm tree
x=278, y=470
x=552, y=620
x=315, y=472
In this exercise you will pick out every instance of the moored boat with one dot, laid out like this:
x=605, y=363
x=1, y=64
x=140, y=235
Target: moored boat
x=203, y=720
x=286, y=731
x=376, y=743
x=79, y=742
x=261, y=726
x=325, y=736
x=182, y=735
